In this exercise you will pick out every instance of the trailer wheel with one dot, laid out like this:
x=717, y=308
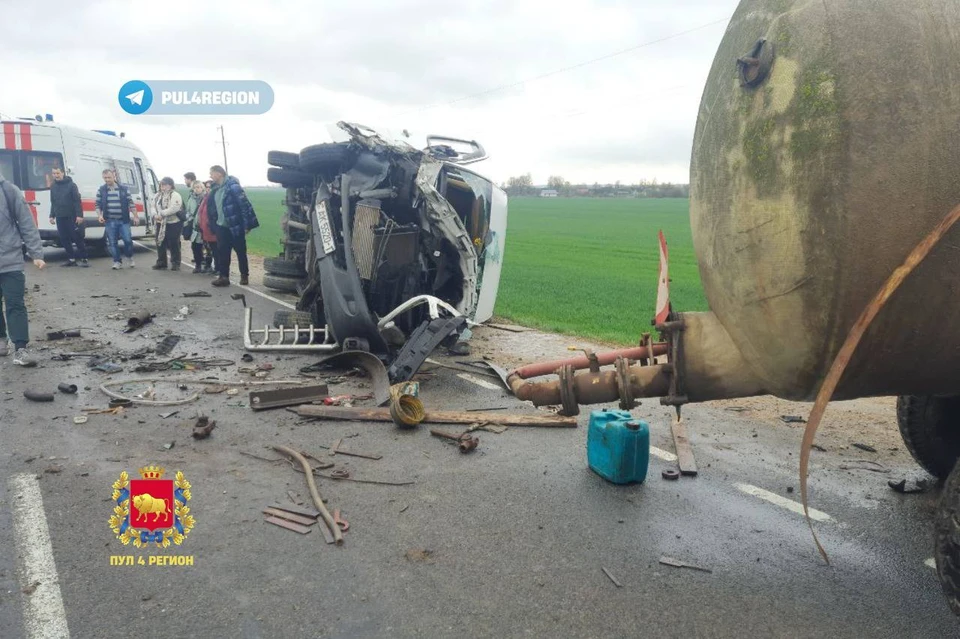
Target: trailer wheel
x=947, y=541
x=323, y=159
x=280, y=266
x=283, y=159
x=930, y=427
x=289, y=177
x=282, y=283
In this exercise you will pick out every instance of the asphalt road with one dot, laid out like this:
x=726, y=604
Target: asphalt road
x=508, y=541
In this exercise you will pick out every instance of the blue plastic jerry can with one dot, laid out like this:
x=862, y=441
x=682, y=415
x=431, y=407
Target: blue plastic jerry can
x=618, y=446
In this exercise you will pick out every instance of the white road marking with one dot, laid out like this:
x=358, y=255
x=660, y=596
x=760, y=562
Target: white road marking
x=292, y=307
x=44, y=615
x=783, y=502
x=663, y=454
x=931, y=563
x=479, y=382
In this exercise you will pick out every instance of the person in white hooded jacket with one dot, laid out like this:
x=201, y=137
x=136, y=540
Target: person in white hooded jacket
x=169, y=224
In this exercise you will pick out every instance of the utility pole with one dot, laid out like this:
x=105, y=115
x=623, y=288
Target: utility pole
x=223, y=143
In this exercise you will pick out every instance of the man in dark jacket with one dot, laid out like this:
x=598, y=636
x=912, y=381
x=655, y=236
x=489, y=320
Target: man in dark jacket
x=17, y=229
x=232, y=215
x=66, y=211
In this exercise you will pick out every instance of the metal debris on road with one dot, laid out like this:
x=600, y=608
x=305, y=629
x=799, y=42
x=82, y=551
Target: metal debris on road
x=138, y=320
x=792, y=419
x=407, y=411
x=167, y=344
x=314, y=492
x=676, y=563
x=340, y=521
x=670, y=473
x=69, y=389
x=263, y=400
x=464, y=441
x=864, y=447
x=437, y=417
x=203, y=427
x=198, y=294
x=289, y=516
x=289, y=525
x=612, y=578
x=685, y=458
x=80, y=419
x=865, y=464
x=168, y=415
x=910, y=486
x=38, y=396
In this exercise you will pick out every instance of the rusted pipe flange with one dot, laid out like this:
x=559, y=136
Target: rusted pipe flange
x=627, y=402
x=568, y=393
x=670, y=474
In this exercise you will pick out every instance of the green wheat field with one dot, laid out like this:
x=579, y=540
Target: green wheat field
x=584, y=267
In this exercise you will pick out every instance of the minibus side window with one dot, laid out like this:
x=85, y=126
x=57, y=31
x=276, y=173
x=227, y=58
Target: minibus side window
x=7, y=167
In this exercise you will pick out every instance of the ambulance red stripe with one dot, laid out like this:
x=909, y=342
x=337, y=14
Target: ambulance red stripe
x=26, y=137
x=9, y=137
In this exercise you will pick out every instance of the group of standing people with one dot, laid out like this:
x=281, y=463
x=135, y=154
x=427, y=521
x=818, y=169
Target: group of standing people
x=215, y=219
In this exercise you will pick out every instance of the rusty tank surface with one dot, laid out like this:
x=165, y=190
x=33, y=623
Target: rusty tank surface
x=826, y=157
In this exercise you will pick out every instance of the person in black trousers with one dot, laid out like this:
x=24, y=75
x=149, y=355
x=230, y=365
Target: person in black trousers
x=66, y=211
x=169, y=225
x=232, y=215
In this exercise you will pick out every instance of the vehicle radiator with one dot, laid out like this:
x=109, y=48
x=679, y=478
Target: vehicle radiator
x=365, y=220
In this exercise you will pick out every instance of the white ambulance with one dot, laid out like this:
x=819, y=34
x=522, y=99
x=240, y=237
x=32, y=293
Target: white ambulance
x=31, y=148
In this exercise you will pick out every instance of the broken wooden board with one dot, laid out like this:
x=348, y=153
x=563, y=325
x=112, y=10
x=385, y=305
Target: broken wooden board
x=436, y=417
x=685, y=458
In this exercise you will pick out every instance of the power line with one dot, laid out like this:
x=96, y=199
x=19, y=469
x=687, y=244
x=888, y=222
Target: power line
x=564, y=69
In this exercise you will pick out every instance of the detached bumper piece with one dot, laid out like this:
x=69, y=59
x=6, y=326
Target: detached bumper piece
x=422, y=342
x=286, y=338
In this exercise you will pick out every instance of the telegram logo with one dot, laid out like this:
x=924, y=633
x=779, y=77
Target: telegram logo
x=135, y=97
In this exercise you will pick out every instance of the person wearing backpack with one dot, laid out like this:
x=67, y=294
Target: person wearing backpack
x=17, y=229
x=232, y=217
x=170, y=216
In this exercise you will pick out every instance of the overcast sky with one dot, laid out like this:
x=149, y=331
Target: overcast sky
x=470, y=69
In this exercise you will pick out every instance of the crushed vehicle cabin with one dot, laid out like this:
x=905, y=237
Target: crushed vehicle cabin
x=392, y=250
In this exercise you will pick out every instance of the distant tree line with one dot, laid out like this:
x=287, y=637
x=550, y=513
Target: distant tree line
x=522, y=185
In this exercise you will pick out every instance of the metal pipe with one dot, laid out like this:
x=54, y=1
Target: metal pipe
x=594, y=388
x=581, y=362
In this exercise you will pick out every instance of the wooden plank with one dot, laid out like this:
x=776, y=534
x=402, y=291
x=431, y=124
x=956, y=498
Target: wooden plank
x=282, y=514
x=685, y=458
x=289, y=525
x=436, y=417
x=297, y=510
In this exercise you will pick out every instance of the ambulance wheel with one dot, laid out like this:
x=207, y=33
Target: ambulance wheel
x=323, y=159
x=282, y=283
x=283, y=159
x=289, y=177
x=947, y=540
x=930, y=427
x=280, y=266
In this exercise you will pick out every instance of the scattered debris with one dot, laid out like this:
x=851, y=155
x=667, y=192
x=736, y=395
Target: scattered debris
x=865, y=464
x=820, y=448
x=509, y=327
x=612, y=578
x=864, y=447
x=198, y=294
x=317, y=499
x=80, y=419
x=38, y=396
x=69, y=389
x=170, y=445
x=464, y=441
x=909, y=486
x=737, y=409
x=436, y=417
x=137, y=321
x=289, y=516
x=685, y=458
x=168, y=415
x=289, y=525
x=676, y=563
x=407, y=410
x=203, y=427
x=106, y=367
x=793, y=419
x=344, y=400
x=263, y=400
x=29, y=590
x=58, y=335
x=342, y=523
x=166, y=345
x=670, y=473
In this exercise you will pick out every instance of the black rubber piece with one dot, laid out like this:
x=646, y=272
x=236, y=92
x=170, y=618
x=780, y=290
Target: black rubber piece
x=930, y=427
x=289, y=177
x=281, y=283
x=280, y=266
x=64, y=387
x=323, y=159
x=37, y=396
x=946, y=550
x=283, y=159
x=423, y=341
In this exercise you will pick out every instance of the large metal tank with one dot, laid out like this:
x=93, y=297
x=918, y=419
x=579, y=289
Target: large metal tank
x=809, y=188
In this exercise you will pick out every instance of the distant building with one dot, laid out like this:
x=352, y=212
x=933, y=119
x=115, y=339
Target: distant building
x=548, y=193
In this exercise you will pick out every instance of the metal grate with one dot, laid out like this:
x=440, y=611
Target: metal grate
x=365, y=219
